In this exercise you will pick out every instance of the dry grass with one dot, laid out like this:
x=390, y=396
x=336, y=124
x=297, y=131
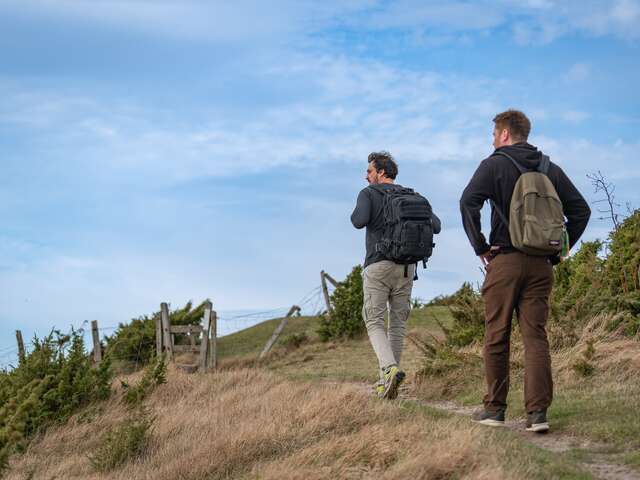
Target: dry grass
x=251, y=424
x=615, y=355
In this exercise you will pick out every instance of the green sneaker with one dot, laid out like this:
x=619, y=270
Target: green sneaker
x=380, y=388
x=393, y=377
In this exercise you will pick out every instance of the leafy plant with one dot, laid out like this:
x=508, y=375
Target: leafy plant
x=52, y=382
x=584, y=366
x=126, y=441
x=346, y=318
x=295, y=340
x=155, y=374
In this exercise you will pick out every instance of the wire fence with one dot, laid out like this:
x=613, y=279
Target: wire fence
x=312, y=303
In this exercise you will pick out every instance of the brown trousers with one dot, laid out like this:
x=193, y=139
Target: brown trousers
x=520, y=282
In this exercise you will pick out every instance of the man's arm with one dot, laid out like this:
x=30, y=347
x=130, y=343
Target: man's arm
x=479, y=189
x=574, y=206
x=362, y=213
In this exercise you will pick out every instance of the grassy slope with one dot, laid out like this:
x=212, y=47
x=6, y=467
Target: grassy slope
x=306, y=414
x=250, y=423
x=601, y=409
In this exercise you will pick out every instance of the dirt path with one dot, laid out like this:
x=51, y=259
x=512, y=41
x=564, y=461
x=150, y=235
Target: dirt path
x=600, y=465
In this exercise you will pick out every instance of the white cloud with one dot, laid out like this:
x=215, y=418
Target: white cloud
x=255, y=24
x=578, y=72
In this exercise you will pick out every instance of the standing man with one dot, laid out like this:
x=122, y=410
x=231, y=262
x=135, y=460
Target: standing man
x=516, y=280
x=390, y=261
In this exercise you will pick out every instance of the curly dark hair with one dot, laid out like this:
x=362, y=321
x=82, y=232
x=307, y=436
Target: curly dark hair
x=384, y=161
x=516, y=122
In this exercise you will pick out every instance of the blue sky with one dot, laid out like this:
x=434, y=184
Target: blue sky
x=167, y=151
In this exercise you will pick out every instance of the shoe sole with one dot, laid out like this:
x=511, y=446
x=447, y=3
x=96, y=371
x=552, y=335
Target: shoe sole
x=392, y=392
x=538, y=428
x=490, y=423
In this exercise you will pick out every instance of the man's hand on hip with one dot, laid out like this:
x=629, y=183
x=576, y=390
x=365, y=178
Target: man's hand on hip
x=487, y=256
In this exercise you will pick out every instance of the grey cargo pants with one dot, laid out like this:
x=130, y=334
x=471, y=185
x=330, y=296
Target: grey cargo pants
x=385, y=285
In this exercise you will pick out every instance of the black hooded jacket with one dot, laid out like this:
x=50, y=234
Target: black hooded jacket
x=495, y=180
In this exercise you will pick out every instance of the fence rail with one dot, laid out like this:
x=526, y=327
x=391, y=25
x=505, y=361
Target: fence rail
x=202, y=338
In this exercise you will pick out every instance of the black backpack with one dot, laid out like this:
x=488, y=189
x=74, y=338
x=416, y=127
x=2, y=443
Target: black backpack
x=409, y=226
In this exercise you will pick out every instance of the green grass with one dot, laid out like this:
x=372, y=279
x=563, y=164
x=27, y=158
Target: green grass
x=518, y=455
x=588, y=408
x=252, y=340
x=633, y=460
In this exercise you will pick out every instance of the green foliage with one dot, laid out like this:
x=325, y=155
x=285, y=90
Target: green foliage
x=347, y=299
x=128, y=440
x=589, y=283
x=439, y=357
x=155, y=374
x=623, y=260
x=133, y=345
x=52, y=382
x=584, y=366
x=467, y=310
x=294, y=340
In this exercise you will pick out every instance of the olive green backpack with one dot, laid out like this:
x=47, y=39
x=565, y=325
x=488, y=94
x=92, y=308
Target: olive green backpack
x=536, y=221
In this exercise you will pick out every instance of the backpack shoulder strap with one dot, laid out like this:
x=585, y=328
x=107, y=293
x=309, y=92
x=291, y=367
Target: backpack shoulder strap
x=383, y=191
x=520, y=168
x=544, y=165
x=377, y=188
x=500, y=213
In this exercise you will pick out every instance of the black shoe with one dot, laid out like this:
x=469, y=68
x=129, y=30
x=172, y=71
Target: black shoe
x=537, y=422
x=491, y=419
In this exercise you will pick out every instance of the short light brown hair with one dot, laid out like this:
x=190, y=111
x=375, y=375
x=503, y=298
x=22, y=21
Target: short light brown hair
x=516, y=122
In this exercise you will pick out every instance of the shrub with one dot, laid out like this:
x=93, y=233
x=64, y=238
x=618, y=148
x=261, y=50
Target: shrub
x=295, y=340
x=467, y=309
x=584, y=366
x=126, y=441
x=52, y=382
x=347, y=299
x=587, y=284
x=130, y=438
x=623, y=260
x=155, y=374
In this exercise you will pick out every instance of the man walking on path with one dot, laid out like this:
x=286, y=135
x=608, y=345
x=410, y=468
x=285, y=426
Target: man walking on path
x=516, y=280
x=386, y=282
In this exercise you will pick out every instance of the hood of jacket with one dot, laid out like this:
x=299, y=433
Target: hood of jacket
x=525, y=154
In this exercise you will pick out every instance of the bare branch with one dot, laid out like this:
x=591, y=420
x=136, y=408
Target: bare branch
x=601, y=184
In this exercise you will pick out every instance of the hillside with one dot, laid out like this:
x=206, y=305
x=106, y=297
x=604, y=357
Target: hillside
x=308, y=412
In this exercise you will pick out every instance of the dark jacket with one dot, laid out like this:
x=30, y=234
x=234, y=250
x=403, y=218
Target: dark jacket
x=368, y=213
x=495, y=180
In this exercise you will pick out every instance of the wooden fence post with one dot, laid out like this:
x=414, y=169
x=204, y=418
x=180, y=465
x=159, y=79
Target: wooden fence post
x=21, y=354
x=97, y=348
x=213, y=341
x=204, y=344
x=325, y=291
x=158, y=336
x=278, y=331
x=331, y=279
x=166, y=330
